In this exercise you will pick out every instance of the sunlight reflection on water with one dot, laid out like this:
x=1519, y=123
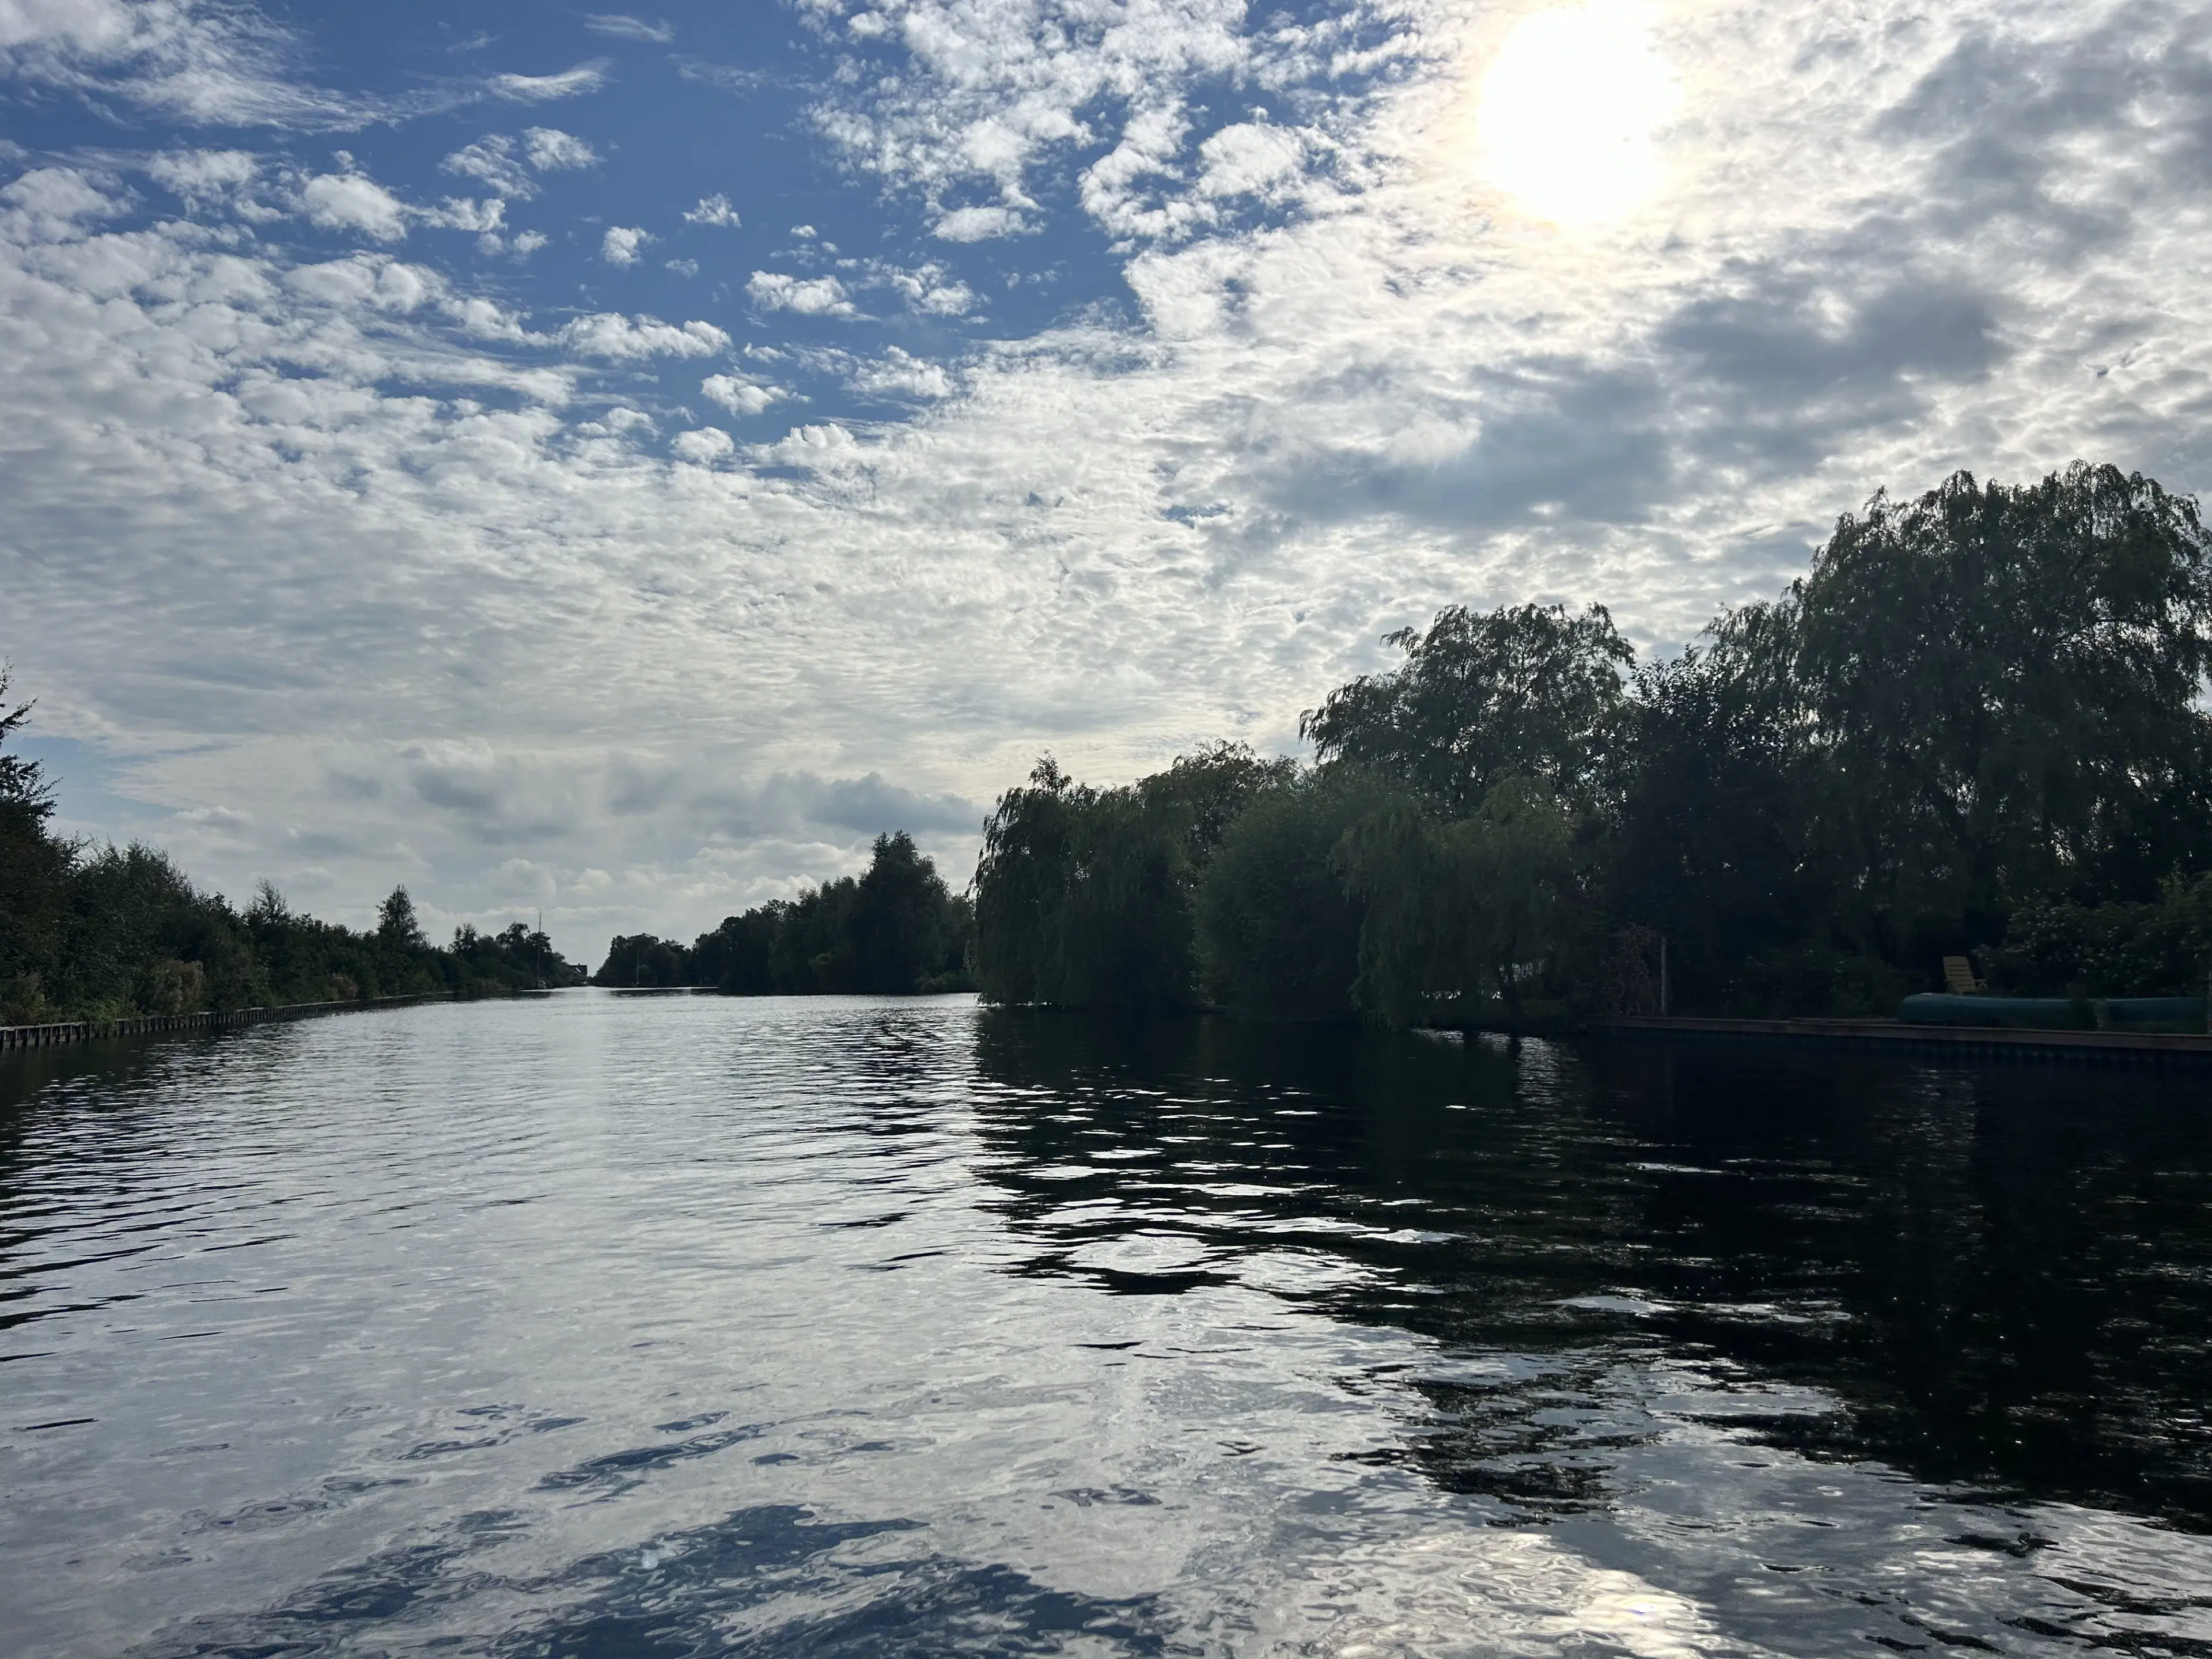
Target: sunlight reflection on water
x=659, y=1325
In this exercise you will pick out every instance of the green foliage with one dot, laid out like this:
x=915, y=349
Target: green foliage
x=1084, y=898
x=1529, y=691
x=1277, y=934
x=2161, y=948
x=1460, y=911
x=34, y=878
x=1978, y=722
x=2003, y=690
x=895, y=929
x=396, y=925
x=641, y=960
x=906, y=927
x=1715, y=840
x=110, y=933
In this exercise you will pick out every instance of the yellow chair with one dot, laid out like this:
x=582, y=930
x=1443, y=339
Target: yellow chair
x=1959, y=977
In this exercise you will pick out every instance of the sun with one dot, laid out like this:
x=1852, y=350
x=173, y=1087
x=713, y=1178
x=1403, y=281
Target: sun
x=1567, y=110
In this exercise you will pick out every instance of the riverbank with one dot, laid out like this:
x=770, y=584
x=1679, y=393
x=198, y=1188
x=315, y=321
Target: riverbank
x=1978, y=1042
x=55, y=1032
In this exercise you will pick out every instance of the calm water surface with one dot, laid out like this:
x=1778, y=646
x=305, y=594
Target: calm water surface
x=670, y=1325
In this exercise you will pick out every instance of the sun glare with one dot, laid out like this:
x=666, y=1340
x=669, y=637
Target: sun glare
x=1567, y=110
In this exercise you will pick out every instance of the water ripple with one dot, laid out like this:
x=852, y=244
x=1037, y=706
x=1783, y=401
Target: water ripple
x=661, y=1325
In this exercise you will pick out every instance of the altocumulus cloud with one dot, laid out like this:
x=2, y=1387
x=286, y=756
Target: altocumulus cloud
x=405, y=575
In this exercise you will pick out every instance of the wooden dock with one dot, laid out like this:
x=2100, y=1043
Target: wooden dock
x=2192, y=1048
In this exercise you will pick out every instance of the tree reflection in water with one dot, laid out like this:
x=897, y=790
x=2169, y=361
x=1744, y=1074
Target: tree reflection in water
x=2001, y=1276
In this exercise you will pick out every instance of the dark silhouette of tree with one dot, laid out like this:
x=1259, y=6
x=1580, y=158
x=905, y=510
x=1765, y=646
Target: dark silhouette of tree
x=1529, y=691
x=1977, y=725
x=895, y=929
x=103, y=933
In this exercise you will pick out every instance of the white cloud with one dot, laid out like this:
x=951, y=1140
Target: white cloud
x=610, y=335
x=714, y=209
x=545, y=88
x=486, y=319
x=54, y=205
x=212, y=173
x=1250, y=158
x=683, y=267
x=979, y=224
x=1873, y=253
x=353, y=201
x=493, y=160
x=740, y=394
x=898, y=374
x=463, y=213
x=930, y=290
x=984, y=94
x=703, y=446
x=620, y=26
x=621, y=245
x=817, y=296
x=192, y=62
x=551, y=150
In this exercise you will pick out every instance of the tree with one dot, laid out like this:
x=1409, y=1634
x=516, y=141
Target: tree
x=1459, y=911
x=396, y=925
x=1529, y=691
x=1084, y=896
x=1716, y=841
x=1277, y=934
x=36, y=870
x=640, y=959
x=900, y=917
x=2004, y=684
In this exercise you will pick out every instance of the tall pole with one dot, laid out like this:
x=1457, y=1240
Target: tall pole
x=1662, y=973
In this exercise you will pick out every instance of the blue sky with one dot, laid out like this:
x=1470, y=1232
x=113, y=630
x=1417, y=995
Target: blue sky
x=618, y=463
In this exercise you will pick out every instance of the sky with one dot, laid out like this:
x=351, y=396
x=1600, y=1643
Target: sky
x=615, y=465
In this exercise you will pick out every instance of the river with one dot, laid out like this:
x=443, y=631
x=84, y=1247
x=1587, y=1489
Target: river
x=605, y=1324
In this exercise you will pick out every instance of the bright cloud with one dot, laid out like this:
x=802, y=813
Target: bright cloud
x=1275, y=362
x=702, y=446
x=610, y=335
x=620, y=26
x=621, y=246
x=899, y=374
x=818, y=296
x=714, y=209
x=979, y=224
x=545, y=88
x=551, y=150
x=739, y=394
x=352, y=201
x=494, y=159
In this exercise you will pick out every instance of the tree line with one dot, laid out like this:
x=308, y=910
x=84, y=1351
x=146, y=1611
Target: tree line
x=897, y=928
x=102, y=932
x=1976, y=727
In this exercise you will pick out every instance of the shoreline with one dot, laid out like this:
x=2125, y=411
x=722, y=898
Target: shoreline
x=55, y=1033
x=2190, y=1049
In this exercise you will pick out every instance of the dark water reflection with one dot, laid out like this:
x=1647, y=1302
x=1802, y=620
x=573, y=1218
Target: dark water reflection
x=630, y=1326
x=2004, y=1275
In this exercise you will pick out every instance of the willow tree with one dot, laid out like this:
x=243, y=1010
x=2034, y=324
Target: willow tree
x=1528, y=691
x=2004, y=686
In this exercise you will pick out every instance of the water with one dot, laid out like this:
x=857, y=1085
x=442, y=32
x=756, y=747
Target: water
x=668, y=1325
